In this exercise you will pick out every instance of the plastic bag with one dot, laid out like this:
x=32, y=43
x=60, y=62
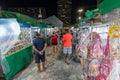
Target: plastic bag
x=81, y=47
x=115, y=72
x=9, y=33
x=114, y=31
x=105, y=68
x=94, y=67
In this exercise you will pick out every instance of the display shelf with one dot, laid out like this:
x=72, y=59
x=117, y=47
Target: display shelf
x=16, y=47
x=18, y=60
x=23, y=41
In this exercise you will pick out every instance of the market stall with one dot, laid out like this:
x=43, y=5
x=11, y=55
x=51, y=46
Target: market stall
x=102, y=44
x=45, y=30
x=16, y=48
x=98, y=50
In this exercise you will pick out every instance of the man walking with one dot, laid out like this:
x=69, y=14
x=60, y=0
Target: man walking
x=39, y=47
x=67, y=44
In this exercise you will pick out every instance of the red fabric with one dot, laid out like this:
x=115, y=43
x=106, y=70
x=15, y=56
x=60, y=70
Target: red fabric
x=54, y=38
x=67, y=40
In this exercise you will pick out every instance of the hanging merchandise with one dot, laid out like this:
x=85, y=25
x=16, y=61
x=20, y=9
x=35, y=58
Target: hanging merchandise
x=94, y=68
x=82, y=43
x=102, y=51
x=105, y=65
x=115, y=72
x=114, y=35
x=110, y=62
x=114, y=31
x=95, y=47
x=81, y=48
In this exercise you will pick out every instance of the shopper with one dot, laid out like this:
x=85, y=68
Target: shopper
x=39, y=47
x=67, y=45
x=54, y=41
x=34, y=37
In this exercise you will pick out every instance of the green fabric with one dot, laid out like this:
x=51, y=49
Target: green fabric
x=42, y=25
x=23, y=18
x=18, y=61
x=90, y=14
x=19, y=17
x=108, y=5
x=43, y=30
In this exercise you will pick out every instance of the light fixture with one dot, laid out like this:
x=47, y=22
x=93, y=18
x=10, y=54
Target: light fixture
x=79, y=17
x=80, y=10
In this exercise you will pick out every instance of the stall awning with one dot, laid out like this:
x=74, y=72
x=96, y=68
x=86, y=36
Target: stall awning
x=23, y=18
x=91, y=14
x=23, y=24
x=19, y=17
x=104, y=7
x=54, y=21
x=108, y=5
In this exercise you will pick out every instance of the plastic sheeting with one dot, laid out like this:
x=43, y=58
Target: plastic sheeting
x=9, y=33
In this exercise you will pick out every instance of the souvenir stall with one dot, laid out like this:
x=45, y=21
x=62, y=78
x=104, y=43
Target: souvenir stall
x=46, y=31
x=16, y=48
x=103, y=44
x=34, y=29
x=98, y=51
x=81, y=45
x=96, y=47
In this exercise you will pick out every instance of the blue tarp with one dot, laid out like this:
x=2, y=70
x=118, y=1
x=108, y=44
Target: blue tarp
x=23, y=24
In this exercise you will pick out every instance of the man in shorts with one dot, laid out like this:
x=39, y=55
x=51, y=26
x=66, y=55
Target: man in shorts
x=67, y=45
x=39, y=47
x=54, y=41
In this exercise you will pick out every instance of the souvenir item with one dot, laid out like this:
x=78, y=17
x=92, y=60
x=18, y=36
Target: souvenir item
x=95, y=49
x=94, y=68
x=115, y=72
x=24, y=40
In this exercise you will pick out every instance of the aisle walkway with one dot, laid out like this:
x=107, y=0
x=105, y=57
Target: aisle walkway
x=56, y=69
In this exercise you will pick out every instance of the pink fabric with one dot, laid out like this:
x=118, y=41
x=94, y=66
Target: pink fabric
x=107, y=49
x=96, y=49
x=105, y=67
